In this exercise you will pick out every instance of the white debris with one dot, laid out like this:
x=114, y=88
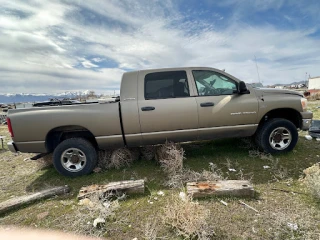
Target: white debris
x=98, y=221
x=106, y=204
x=86, y=202
x=183, y=196
x=26, y=159
x=224, y=203
x=318, y=139
x=266, y=167
x=134, y=238
x=308, y=137
x=160, y=193
x=122, y=197
x=232, y=170
x=155, y=198
x=293, y=226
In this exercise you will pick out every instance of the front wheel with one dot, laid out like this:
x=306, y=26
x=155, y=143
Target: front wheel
x=277, y=136
x=74, y=157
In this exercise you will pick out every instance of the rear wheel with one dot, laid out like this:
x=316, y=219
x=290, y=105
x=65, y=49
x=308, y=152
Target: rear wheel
x=75, y=157
x=277, y=136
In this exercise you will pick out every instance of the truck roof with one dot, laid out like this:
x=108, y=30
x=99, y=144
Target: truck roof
x=174, y=69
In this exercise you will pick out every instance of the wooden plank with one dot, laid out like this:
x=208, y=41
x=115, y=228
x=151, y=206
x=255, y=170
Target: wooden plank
x=130, y=186
x=27, y=199
x=238, y=188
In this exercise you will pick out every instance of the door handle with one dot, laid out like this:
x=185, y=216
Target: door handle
x=148, y=108
x=207, y=104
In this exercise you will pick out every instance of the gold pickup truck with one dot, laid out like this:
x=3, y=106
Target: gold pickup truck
x=176, y=104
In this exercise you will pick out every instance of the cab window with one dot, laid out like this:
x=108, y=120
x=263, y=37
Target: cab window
x=211, y=83
x=171, y=84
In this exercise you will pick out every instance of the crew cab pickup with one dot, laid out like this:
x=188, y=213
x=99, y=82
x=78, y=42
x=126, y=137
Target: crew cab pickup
x=176, y=104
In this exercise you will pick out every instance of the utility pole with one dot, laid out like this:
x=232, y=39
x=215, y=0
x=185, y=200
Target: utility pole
x=305, y=79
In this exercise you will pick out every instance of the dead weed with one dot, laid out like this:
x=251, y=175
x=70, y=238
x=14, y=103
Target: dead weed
x=187, y=218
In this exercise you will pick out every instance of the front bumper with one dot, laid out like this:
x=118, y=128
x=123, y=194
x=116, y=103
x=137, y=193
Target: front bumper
x=12, y=146
x=306, y=123
x=306, y=120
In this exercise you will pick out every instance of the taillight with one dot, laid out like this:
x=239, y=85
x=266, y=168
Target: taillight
x=9, y=126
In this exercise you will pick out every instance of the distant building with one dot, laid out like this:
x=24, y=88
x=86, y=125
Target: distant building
x=314, y=84
x=279, y=87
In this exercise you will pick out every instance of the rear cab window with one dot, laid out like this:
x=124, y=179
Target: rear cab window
x=162, y=85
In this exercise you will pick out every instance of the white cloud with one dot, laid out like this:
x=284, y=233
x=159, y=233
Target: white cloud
x=42, y=48
x=87, y=64
x=97, y=59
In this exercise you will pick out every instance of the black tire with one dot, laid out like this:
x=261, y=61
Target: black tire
x=75, y=157
x=277, y=136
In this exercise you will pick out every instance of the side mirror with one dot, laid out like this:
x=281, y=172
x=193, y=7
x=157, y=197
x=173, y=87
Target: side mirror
x=243, y=88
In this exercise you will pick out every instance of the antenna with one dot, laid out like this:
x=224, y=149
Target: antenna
x=255, y=59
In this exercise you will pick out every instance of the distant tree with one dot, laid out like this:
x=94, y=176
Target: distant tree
x=92, y=94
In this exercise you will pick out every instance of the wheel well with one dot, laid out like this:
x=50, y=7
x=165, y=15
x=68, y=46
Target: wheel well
x=57, y=135
x=287, y=113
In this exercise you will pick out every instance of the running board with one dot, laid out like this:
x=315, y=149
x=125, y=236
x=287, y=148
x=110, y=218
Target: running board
x=39, y=156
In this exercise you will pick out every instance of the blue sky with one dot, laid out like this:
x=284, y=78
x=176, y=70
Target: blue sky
x=56, y=46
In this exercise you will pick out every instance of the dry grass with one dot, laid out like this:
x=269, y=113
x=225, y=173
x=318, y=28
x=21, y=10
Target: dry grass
x=178, y=181
x=314, y=96
x=170, y=156
x=148, y=152
x=120, y=158
x=135, y=153
x=104, y=159
x=81, y=220
x=312, y=179
x=187, y=218
x=262, y=155
x=151, y=228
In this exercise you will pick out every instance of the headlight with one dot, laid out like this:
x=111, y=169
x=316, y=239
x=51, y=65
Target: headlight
x=304, y=104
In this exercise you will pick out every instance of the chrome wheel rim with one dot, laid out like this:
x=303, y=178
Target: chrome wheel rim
x=73, y=160
x=280, y=138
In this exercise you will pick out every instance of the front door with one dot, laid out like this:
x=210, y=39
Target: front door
x=223, y=112
x=166, y=109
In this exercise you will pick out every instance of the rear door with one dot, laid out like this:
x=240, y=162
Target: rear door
x=167, y=107
x=223, y=112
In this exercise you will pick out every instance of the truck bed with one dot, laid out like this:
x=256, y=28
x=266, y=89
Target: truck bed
x=31, y=126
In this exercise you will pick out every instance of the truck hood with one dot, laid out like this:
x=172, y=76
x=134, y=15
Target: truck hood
x=270, y=91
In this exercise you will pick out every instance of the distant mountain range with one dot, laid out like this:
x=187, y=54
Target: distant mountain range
x=37, y=97
x=294, y=83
